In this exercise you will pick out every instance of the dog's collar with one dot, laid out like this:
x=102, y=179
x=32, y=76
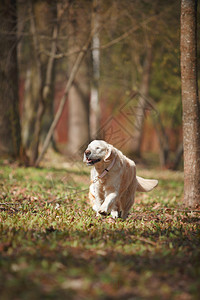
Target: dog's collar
x=105, y=171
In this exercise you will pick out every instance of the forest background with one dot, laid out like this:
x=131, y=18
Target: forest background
x=124, y=56
x=72, y=71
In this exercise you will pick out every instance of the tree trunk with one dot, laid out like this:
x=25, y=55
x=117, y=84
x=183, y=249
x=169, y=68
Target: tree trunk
x=94, y=101
x=190, y=103
x=178, y=156
x=70, y=81
x=79, y=93
x=10, y=136
x=48, y=88
x=40, y=78
x=30, y=104
x=38, y=104
x=142, y=103
x=162, y=138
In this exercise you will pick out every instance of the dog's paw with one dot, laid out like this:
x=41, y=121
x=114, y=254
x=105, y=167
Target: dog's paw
x=114, y=214
x=95, y=208
x=103, y=209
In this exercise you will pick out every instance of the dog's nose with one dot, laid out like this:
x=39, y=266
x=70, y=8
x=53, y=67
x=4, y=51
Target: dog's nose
x=87, y=153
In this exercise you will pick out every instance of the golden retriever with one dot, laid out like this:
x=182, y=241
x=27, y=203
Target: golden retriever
x=113, y=180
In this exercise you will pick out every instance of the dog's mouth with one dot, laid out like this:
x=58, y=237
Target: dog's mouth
x=91, y=162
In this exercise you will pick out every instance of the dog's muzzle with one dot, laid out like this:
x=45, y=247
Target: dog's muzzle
x=89, y=160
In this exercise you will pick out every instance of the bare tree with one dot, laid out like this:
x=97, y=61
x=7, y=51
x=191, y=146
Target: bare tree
x=63, y=100
x=118, y=28
x=190, y=103
x=142, y=103
x=44, y=78
x=10, y=136
x=95, y=101
x=79, y=93
x=42, y=20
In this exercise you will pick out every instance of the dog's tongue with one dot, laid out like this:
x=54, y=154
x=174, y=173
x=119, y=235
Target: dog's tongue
x=92, y=161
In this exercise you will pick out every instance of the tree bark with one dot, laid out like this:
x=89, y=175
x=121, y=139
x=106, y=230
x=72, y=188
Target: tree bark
x=142, y=103
x=30, y=104
x=163, y=140
x=79, y=93
x=38, y=104
x=190, y=103
x=94, y=101
x=64, y=99
x=10, y=135
x=40, y=110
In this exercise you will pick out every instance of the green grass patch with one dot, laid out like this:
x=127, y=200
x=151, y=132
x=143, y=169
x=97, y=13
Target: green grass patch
x=52, y=246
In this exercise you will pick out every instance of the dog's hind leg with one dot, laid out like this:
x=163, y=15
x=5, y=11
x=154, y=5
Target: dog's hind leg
x=125, y=210
x=127, y=201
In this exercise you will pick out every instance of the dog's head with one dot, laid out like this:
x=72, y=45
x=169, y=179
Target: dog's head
x=97, y=151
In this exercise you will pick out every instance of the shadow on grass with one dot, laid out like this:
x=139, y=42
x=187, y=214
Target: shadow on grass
x=106, y=264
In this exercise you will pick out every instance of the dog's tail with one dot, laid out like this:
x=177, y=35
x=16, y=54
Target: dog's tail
x=145, y=185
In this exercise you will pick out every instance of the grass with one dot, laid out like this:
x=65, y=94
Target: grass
x=52, y=246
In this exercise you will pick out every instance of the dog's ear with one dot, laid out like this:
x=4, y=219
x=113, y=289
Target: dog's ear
x=108, y=153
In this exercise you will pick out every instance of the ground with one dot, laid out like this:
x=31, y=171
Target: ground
x=52, y=246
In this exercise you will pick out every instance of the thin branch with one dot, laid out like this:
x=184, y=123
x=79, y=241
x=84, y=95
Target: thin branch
x=141, y=239
x=105, y=46
x=62, y=8
x=127, y=33
x=35, y=39
x=61, y=55
x=51, y=59
x=7, y=203
x=178, y=210
x=64, y=98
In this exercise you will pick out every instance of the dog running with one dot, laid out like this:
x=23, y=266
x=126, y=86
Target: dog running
x=113, y=180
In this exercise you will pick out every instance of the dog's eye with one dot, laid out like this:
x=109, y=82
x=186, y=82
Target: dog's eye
x=97, y=148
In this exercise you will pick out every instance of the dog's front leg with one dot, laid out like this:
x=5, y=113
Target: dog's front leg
x=99, y=197
x=97, y=206
x=108, y=203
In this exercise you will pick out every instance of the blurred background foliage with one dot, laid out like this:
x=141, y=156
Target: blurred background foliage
x=128, y=81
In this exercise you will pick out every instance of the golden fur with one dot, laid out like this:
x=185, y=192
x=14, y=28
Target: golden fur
x=114, y=193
